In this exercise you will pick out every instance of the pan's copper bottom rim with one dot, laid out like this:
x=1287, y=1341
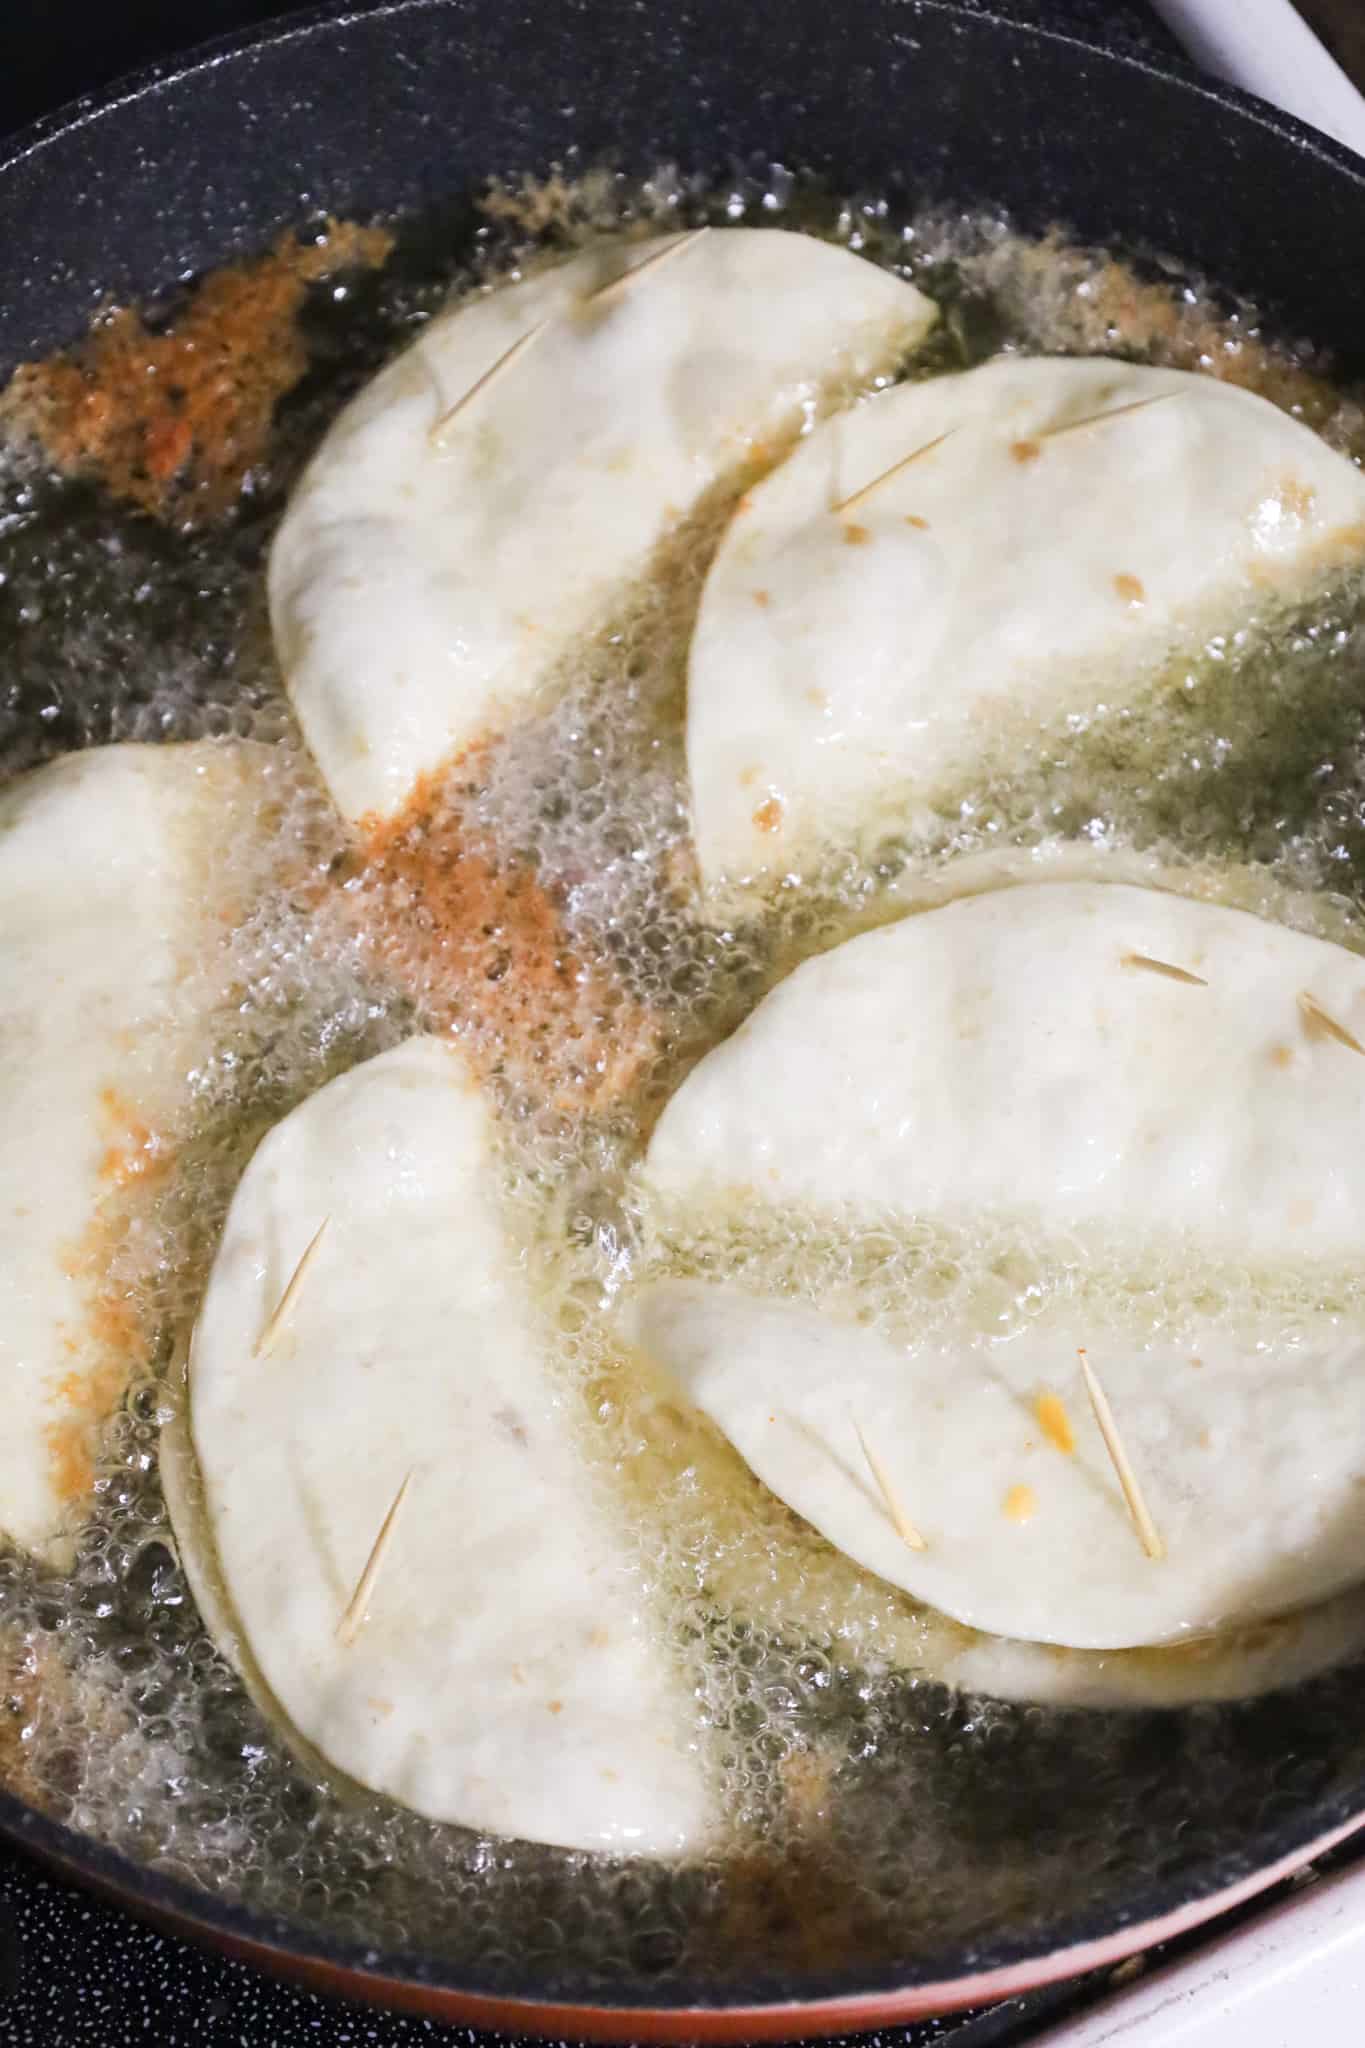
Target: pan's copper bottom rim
x=785, y=2020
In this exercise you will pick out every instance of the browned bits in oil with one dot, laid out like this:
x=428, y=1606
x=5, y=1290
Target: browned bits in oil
x=172, y=422
x=26, y=1686
x=768, y=816
x=41, y=1697
x=1025, y=451
x=480, y=946
x=534, y=205
x=86, y=1399
x=1122, y=313
x=795, y=1896
x=807, y=1778
x=135, y=1150
x=1297, y=498
x=1130, y=589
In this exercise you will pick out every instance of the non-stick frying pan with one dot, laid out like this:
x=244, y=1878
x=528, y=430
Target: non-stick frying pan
x=413, y=106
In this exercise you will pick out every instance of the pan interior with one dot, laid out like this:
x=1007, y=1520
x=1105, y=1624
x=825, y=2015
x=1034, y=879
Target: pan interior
x=882, y=1818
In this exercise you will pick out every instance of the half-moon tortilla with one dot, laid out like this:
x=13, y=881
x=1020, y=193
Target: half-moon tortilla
x=1075, y=1053
x=428, y=578
x=1250, y=1458
x=508, y=1674
x=113, y=895
x=1047, y=533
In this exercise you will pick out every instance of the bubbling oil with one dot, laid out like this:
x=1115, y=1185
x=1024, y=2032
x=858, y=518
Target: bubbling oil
x=875, y=1810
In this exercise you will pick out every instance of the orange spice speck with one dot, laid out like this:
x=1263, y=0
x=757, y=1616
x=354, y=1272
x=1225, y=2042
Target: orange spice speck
x=1130, y=589
x=86, y=1399
x=1298, y=499
x=856, y=536
x=1025, y=451
x=913, y=519
x=762, y=599
x=1021, y=1503
x=1055, y=1422
x=137, y=1151
x=768, y=816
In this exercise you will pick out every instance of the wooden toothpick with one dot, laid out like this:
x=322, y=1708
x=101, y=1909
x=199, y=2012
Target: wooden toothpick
x=1137, y=1507
x=904, y=1527
x=866, y=490
x=617, y=285
x=1318, y=1024
x=266, y=1341
x=353, y=1620
x=1100, y=419
x=439, y=434
x=1152, y=966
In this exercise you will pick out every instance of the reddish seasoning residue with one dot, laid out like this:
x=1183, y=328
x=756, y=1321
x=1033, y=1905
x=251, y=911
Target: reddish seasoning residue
x=114, y=1336
x=1159, y=323
x=762, y=599
x=1130, y=589
x=172, y=422
x=136, y=1151
x=1025, y=451
x=480, y=944
x=87, y=1399
x=768, y=816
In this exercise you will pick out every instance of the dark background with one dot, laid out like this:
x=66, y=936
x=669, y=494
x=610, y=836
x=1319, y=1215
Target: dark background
x=78, y=1974
x=53, y=50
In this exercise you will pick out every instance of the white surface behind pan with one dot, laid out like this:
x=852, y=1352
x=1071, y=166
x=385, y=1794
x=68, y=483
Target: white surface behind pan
x=1266, y=47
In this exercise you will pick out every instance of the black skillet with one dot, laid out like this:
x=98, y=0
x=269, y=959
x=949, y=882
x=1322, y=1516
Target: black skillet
x=413, y=106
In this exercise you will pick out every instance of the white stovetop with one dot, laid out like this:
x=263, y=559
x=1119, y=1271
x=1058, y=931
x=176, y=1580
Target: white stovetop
x=1294, y=1977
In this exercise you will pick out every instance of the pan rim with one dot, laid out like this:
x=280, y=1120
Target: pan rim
x=857, y=1994
x=23, y=143
x=827, y=2001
